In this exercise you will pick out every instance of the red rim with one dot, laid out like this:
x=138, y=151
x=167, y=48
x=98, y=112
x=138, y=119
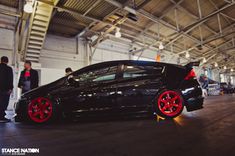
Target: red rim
x=170, y=103
x=40, y=109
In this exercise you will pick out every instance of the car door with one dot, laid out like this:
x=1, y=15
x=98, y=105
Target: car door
x=138, y=85
x=95, y=94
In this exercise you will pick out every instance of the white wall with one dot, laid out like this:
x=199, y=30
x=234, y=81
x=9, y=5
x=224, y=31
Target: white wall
x=215, y=75
x=7, y=43
x=110, y=50
x=61, y=52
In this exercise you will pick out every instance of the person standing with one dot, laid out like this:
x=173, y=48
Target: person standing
x=6, y=86
x=28, y=78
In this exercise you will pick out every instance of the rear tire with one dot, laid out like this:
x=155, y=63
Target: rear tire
x=169, y=104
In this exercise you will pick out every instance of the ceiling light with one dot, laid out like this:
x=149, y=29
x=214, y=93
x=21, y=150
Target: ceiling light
x=132, y=16
x=118, y=33
x=232, y=70
x=216, y=64
x=225, y=67
x=28, y=8
x=161, y=46
x=130, y=10
x=204, y=60
x=187, y=55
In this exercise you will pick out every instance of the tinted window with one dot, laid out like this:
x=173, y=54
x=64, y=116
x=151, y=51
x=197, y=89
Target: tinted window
x=103, y=74
x=138, y=71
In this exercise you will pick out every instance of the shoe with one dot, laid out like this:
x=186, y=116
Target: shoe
x=3, y=120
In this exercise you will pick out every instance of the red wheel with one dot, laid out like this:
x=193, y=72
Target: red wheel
x=40, y=110
x=170, y=103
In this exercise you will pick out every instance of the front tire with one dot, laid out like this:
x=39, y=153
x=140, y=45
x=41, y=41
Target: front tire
x=169, y=104
x=41, y=110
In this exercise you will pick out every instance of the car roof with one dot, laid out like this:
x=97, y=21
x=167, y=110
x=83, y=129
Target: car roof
x=117, y=62
x=137, y=62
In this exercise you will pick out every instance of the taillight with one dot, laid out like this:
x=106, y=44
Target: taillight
x=190, y=75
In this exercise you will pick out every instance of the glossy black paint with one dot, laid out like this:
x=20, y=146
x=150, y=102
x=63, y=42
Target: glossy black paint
x=118, y=93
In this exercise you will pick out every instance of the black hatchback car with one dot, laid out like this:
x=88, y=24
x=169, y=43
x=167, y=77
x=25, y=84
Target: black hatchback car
x=114, y=88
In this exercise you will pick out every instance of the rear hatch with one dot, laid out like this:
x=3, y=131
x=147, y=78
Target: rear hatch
x=177, y=75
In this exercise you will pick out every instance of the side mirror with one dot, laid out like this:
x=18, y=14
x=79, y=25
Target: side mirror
x=72, y=81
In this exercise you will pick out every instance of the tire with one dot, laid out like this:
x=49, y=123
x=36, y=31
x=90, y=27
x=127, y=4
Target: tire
x=169, y=104
x=41, y=110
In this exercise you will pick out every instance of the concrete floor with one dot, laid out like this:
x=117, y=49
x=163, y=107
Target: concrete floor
x=210, y=131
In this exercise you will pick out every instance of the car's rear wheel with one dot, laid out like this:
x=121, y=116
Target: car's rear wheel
x=41, y=110
x=169, y=104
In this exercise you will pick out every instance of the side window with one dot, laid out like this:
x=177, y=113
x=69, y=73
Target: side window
x=99, y=75
x=139, y=71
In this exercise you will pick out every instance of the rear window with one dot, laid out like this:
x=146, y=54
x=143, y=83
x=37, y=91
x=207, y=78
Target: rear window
x=140, y=71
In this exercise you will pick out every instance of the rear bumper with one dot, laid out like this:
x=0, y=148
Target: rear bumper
x=194, y=103
x=192, y=94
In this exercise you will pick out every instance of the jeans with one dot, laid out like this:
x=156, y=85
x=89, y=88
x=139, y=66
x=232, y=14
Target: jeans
x=4, y=101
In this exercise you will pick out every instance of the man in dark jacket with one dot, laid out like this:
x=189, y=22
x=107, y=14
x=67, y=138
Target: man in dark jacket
x=28, y=78
x=6, y=86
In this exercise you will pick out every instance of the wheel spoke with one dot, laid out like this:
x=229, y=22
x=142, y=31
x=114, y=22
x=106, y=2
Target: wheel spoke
x=35, y=107
x=175, y=105
x=39, y=100
x=36, y=113
x=174, y=98
x=165, y=107
x=164, y=101
x=168, y=96
x=41, y=115
x=46, y=104
x=46, y=111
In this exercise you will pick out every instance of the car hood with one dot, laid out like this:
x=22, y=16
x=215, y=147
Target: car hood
x=45, y=89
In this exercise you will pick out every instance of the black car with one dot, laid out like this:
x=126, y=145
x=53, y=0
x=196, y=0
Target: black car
x=115, y=88
x=227, y=88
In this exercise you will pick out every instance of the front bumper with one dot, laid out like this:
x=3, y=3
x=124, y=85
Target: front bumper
x=21, y=110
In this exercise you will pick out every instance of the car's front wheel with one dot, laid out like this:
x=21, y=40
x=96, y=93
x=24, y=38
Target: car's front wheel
x=169, y=104
x=41, y=110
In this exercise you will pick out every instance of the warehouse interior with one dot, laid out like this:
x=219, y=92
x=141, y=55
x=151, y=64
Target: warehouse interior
x=56, y=34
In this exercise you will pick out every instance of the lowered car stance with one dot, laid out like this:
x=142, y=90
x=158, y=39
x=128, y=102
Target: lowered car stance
x=115, y=88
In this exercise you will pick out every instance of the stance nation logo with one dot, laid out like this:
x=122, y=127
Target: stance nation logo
x=19, y=151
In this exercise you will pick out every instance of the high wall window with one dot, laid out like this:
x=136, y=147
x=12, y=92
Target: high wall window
x=222, y=78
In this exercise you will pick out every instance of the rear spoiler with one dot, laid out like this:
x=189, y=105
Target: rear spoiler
x=191, y=64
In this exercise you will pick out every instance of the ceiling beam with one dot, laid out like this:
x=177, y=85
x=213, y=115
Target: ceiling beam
x=150, y=24
x=212, y=38
x=183, y=33
x=93, y=5
x=199, y=22
x=152, y=18
x=193, y=16
x=109, y=30
x=9, y=13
